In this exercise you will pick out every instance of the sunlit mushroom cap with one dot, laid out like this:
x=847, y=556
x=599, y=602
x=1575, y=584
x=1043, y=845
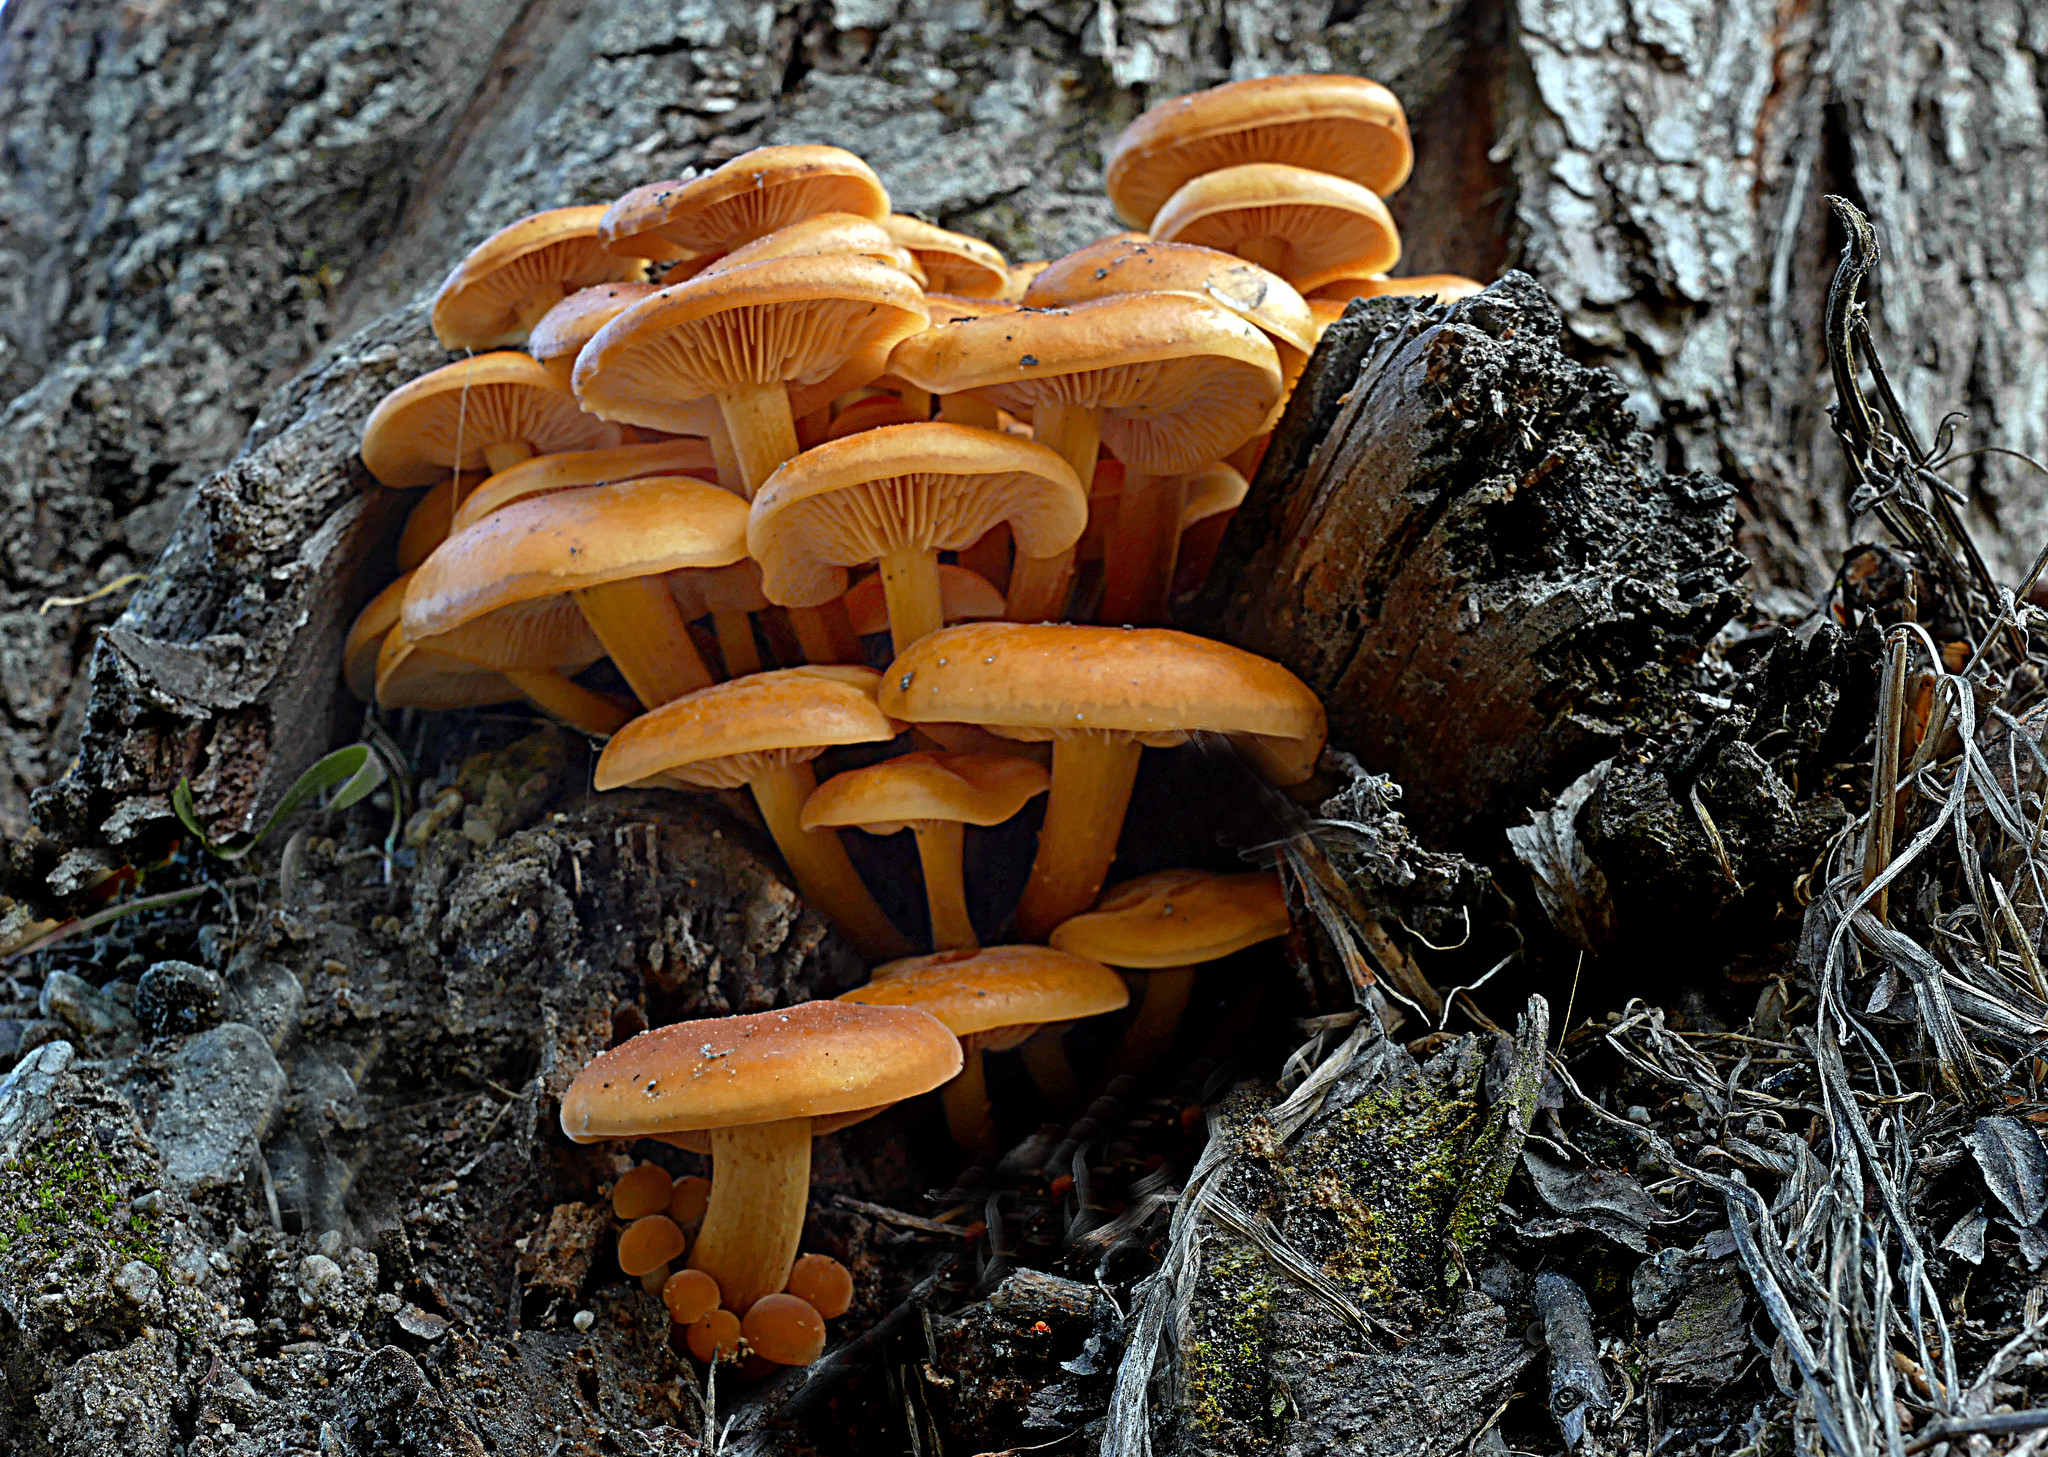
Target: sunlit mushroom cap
x=1181, y=381
x=1037, y=680
x=1344, y=125
x=723, y=736
x=1449, y=287
x=1020, y=276
x=931, y=485
x=747, y=198
x=949, y=307
x=1333, y=227
x=953, y=262
x=572, y=468
x=700, y=590
x=1177, y=918
x=821, y=325
x=813, y=1060
x=442, y=421
x=1137, y=264
x=828, y=232
x=964, y=596
x=548, y=545
x=926, y=788
x=516, y=275
x=1001, y=986
x=564, y=329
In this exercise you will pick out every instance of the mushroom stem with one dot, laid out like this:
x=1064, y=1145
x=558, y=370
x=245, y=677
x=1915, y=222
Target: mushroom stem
x=760, y=1183
x=990, y=556
x=1092, y=774
x=1151, y=1032
x=724, y=459
x=910, y=585
x=1045, y=1063
x=825, y=633
x=643, y=631
x=1143, y=546
x=824, y=876
x=1269, y=253
x=940, y=850
x=571, y=703
x=965, y=409
x=1038, y=585
x=504, y=454
x=736, y=643
x=969, y=1118
x=763, y=430
x=915, y=400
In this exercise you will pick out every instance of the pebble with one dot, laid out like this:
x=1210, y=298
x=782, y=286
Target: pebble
x=584, y=1320
x=270, y=999
x=137, y=1284
x=75, y=1002
x=224, y=1091
x=179, y=997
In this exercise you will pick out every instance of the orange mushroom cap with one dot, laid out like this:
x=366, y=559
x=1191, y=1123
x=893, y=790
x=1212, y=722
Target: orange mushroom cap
x=642, y=1190
x=1037, y=680
x=823, y=1283
x=964, y=596
x=828, y=232
x=1177, y=918
x=413, y=674
x=953, y=262
x=573, y=468
x=443, y=420
x=432, y=517
x=1333, y=228
x=495, y=295
x=690, y=1295
x=747, y=198
x=563, y=330
x=366, y=639
x=784, y=1329
x=974, y=992
x=926, y=788
x=1021, y=275
x=1449, y=287
x=1345, y=125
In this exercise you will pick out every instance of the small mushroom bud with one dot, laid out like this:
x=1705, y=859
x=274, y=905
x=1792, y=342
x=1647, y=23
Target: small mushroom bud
x=785, y=1330
x=648, y=1243
x=641, y=1192
x=686, y=1205
x=715, y=1336
x=823, y=1283
x=690, y=1295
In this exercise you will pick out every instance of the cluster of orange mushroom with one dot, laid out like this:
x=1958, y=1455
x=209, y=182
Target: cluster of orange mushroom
x=1028, y=462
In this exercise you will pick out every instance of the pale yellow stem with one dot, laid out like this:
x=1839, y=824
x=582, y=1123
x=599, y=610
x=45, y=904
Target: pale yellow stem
x=644, y=633
x=1039, y=585
x=825, y=633
x=736, y=643
x=968, y=410
x=570, y=702
x=724, y=458
x=1143, y=546
x=968, y=1116
x=915, y=400
x=939, y=850
x=910, y=585
x=1159, y=1013
x=504, y=454
x=824, y=876
x=1092, y=774
x=760, y=1184
x=763, y=430
x=1269, y=253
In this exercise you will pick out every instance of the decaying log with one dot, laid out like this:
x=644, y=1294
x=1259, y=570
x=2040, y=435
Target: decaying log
x=1459, y=540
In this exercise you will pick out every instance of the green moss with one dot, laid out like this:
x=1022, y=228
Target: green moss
x=1226, y=1373
x=64, y=1185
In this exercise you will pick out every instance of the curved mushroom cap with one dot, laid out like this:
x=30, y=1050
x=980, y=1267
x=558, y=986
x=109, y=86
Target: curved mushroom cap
x=564, y=329
x=1002, y=986
x=828, y=232
x=1181, y=381
x=926, y=788
x=747, y=198
x=1449, y=287
x=545, y=633
x=808, y=1061
x=1139, y=265
x=1333, y=227
x=411, y=676
x=366, y=639
x=509, y=280
x=946, y=308
x=548, y=545
x=822, y=325
x=701, y=590
x=432, y=517
x=442, y=421
x=1326, y=312
x=1177, y=918
x=1021, y=275
x=723, y=736
x=953, y=262
x=1037, y=680
x=1218, y=489
x=572, y=468
x=929, y=485
x=1207, y=493
x=1344, y=125
x=870, y=414
x=964, y=596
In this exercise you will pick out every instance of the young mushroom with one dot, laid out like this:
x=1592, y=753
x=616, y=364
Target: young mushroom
x=1166, y=924
x=763, y=731
x=935, y=797
x=748, y=197
x=899, y=496
x=499, y=291
x=492, y=411
x=992, y=1001
x=1101, y=695
x=754, y=1090
x=1308, y=227
x=1345, y=125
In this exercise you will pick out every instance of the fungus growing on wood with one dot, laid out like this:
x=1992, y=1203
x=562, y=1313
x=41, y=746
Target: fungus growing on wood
x=690, y=1295
x=569, y=469
x=433, y=516
x=1308, y=227
x=992, y=1001
x=1446, y=287
x=560, y=334
x=784, y=1329
x=748, y=197
x=829, y=232
x=763, y=731
x=935, y=797
x=498, y=293
x=754, y=1090
x=642, y=1190
x=952, y=262
x=964, y=596
x=1344, y=125
x=649, y=1243
x=489, y=412
x=1101, y=695
x=822, y=1283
